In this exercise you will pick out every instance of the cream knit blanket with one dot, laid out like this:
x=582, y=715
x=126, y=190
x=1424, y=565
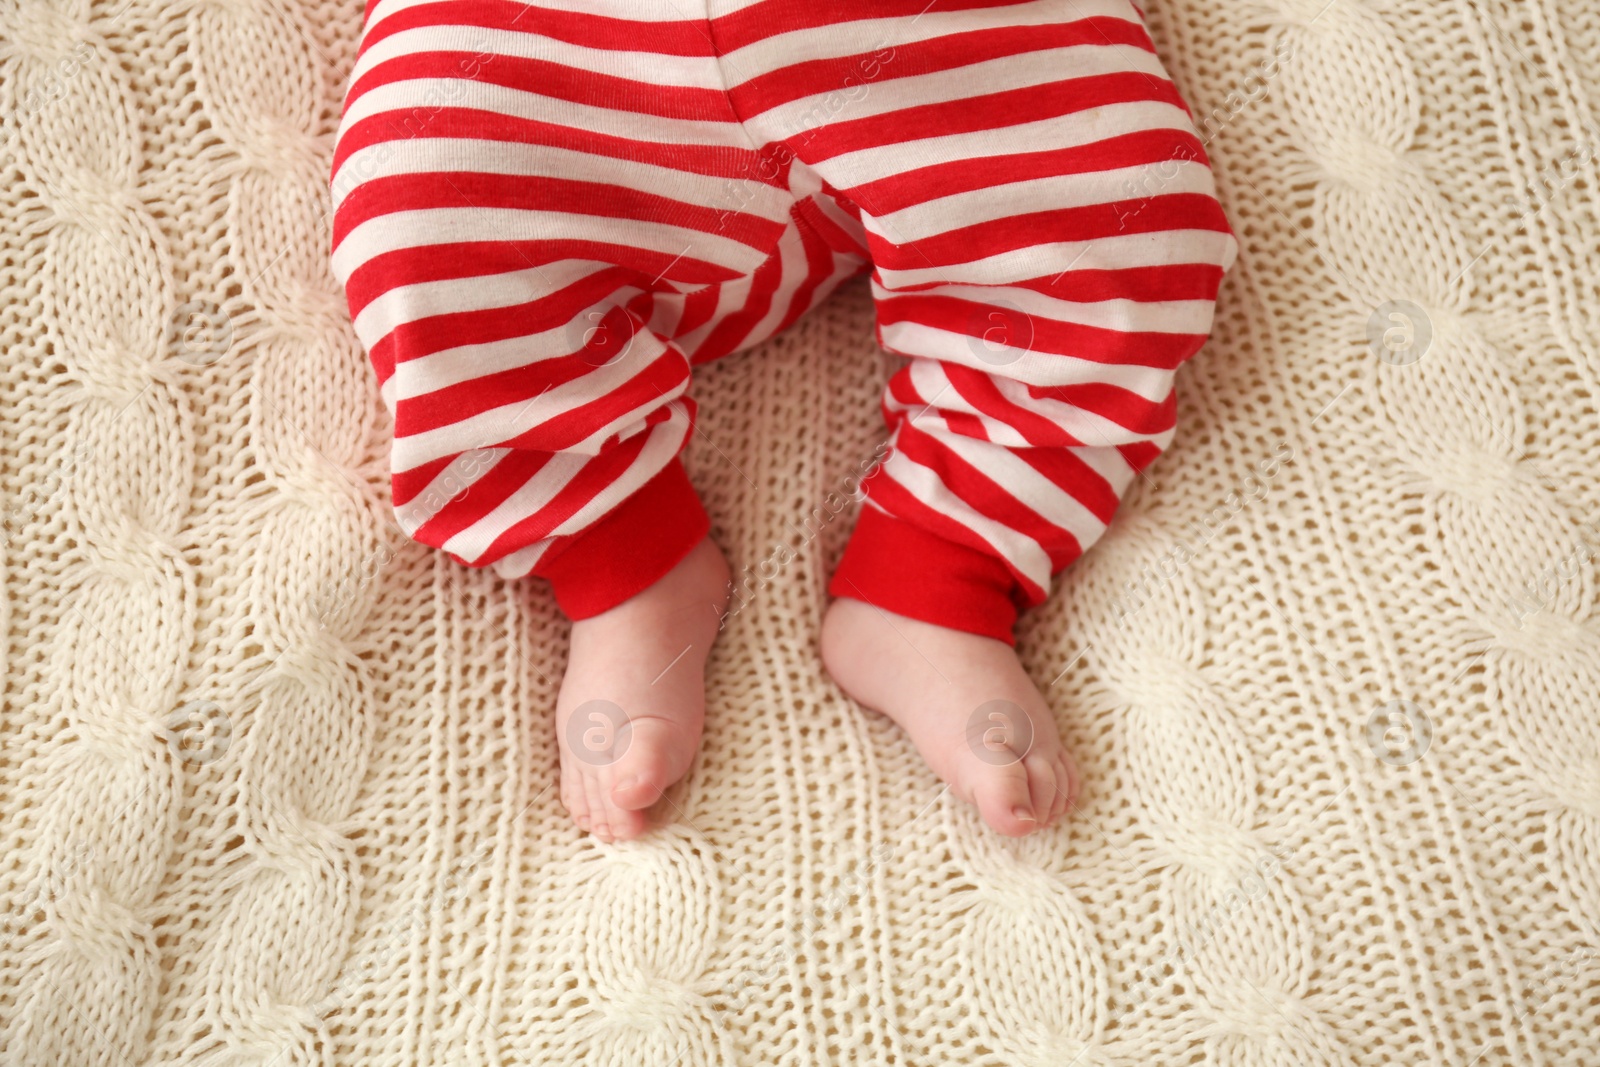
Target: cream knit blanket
x=278, y=788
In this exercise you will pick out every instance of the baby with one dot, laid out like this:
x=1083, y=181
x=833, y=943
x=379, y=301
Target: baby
x=547, y=214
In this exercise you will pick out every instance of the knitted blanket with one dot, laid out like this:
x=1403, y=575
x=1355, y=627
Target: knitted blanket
x=278, y=787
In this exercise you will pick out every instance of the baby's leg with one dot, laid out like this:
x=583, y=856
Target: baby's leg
x=508, y=223
x=1047, y=247
x=632, y=702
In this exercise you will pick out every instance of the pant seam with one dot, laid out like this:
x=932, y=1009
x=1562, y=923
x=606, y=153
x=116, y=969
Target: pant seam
x=719, y=60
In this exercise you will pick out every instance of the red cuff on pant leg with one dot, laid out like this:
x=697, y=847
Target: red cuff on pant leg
x=902, y=568
x=630, y=548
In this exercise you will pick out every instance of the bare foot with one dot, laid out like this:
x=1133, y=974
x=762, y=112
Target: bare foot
x=632, y=702
x=967, y=704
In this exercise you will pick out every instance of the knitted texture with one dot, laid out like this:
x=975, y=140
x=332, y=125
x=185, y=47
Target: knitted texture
x=277, y=786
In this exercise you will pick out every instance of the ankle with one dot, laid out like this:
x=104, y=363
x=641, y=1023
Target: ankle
x=697, y=585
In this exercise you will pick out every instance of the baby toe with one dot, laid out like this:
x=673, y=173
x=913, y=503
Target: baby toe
x=1062, y=803
x=1060, y=784
x=1041, y=786
x=1005, y=800
x=574, y=800
x=599, y=820
x=626, y=824
x=643, y=774
x=1072, y=782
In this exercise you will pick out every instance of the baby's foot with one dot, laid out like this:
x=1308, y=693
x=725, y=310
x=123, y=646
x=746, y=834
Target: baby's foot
x=966, y=703
x=631, y=705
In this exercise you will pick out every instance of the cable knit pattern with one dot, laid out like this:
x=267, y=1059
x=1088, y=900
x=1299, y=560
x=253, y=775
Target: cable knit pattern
x=277, y=784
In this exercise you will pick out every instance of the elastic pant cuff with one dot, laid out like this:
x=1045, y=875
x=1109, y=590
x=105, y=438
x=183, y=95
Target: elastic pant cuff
x=902, y=568
x=630, y=548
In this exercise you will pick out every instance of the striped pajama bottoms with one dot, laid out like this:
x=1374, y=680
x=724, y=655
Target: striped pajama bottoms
x=546, y=215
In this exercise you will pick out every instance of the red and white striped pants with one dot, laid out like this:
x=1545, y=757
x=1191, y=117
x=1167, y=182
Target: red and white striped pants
x=547, y=215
